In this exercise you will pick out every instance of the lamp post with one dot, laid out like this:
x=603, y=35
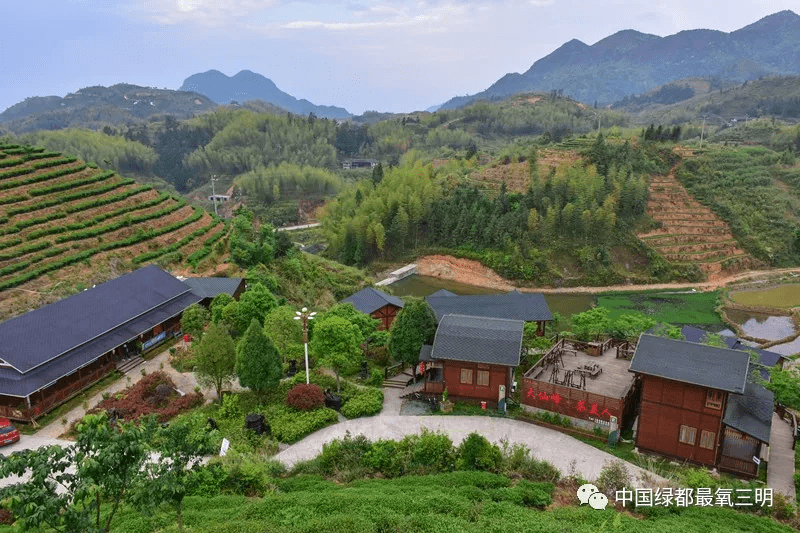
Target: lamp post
x=305, y=316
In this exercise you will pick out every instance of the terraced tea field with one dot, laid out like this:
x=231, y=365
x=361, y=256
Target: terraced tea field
x=691, y=232
x=65, y=223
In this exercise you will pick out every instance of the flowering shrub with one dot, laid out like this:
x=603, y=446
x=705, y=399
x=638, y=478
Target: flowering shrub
x=145, y=397
x=305, y=397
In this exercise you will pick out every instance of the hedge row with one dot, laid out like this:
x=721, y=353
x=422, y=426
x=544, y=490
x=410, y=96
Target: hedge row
x=147, y=256
x=127, y=221
x=11, y=162
x=43, y=155
x=86, y=254
x=82, y=194
x=97, y=219
x=11, y=242
x=54, y=163
x=15, y=151
x=22, y=265
x=43, y=177
x=72, y=184
x=34, y=247
x=15, y=172
x=8, y=146
x=22, y=224
x=13, y=199
x=195, y=258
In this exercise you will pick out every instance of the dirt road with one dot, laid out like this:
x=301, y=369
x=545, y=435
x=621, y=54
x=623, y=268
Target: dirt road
x=474, y=273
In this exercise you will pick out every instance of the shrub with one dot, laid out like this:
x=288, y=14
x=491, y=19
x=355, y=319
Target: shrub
x=305, y=397
x=289, y=425
x=613, y=477
x=783, y=508
x=230, y=407
x=6, y=517
x=245, y=474
x=477, y=453
x=365, y=402
x=379, y=354
x=376, y=378
x=518, y=461
x=342, y=455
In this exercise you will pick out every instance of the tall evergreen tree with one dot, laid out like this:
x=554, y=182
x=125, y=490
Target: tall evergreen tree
x=258, y=363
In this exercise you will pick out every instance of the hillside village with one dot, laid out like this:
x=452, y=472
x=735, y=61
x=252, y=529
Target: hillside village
x=568, y=302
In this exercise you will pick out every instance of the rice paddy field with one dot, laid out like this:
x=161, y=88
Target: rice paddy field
x=677, y=308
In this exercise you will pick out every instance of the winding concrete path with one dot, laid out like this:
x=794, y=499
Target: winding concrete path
x=545, y=443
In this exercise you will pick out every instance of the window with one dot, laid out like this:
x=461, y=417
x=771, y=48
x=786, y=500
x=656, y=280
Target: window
x=707, y=439
x=466, y=376
x=483, y=378
x=714, y=399
x=688, y=435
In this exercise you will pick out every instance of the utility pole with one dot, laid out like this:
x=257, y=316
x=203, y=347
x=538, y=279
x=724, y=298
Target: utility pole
x=214, y=193
x=702, y=130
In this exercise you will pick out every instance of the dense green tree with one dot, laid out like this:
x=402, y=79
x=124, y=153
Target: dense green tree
x=258, y=363
x=249, y=242
x=590, y=325
x=254, y=304
x=195, y=319
x=218, y=304
x=413, y=326
x=336, y=343
x=64, y=487
x=629, y=326
x=283, y=330
x=180, y=449
x=215, y=358
x=365, y=323
x=786, y=386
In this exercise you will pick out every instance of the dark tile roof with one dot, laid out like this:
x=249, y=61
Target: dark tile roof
x=689, y=362
x=751, y=412
x=767, y=358
x=370, y=299
x=425, y=352
x=515, y=305
x=478, y=340
x=14, y=383
x=210, y=287
x=693, y=334
x=442, y=292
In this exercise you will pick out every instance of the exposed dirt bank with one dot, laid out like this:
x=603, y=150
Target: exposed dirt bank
x=474, y=273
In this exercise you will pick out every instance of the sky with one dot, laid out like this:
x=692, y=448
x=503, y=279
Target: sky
x=396, y=55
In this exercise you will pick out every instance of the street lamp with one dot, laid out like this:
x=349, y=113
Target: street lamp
x=305, y=316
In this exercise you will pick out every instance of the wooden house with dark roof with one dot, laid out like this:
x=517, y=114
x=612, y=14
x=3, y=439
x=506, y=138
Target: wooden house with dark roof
x=473, y=357
x=377, y=304
x=698, y=404
x=514, y=305
x=50, y=354
x=208, y=288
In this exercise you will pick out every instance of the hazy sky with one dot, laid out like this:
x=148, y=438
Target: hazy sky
x=362, y=55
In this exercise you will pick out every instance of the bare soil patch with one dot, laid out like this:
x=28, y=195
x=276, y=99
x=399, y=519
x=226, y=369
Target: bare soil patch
x=461, y=270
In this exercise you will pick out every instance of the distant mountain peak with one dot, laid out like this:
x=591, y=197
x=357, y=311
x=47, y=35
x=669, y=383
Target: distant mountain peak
x=248, y=85
x=630, y=62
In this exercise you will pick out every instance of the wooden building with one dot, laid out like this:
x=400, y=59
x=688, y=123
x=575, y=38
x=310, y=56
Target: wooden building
x=514, y=305
x=208, y=288
x=50, y=354
x=377, y=304
x=473, y=357
x=698, y=404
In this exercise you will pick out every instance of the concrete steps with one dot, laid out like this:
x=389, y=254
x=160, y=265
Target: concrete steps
x=400, y=381
x=129, y=364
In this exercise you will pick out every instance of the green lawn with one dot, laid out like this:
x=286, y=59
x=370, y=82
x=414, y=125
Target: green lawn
x=673, y=308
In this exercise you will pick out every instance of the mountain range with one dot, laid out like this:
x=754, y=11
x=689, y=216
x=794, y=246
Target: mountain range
x=630, y=62
x=247, y=85
x=94, y=107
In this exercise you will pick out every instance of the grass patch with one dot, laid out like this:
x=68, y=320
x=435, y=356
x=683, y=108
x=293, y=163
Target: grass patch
x=673, y=308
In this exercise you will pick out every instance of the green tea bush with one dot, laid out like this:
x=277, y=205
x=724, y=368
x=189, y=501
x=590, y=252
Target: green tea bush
x=305, y=397
x=246, y=474
x=365, y=402
x=477, y=453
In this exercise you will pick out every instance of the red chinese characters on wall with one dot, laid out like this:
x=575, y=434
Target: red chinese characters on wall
x=581, y=406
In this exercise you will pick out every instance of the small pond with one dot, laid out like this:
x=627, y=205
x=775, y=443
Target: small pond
x=420, y=286
x=780, y=296
x=761, y=325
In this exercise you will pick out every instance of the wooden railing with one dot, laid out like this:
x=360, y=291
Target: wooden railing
x=390, y=370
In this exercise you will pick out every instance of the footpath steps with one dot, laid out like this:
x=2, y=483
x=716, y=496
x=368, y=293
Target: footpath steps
x=399, y=381
x=690, y=232
x=129, y=364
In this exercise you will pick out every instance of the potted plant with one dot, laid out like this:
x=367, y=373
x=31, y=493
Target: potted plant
x=446, y=406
